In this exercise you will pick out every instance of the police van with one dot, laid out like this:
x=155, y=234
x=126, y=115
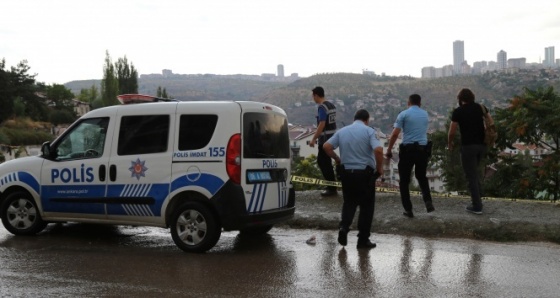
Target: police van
x=195, y=167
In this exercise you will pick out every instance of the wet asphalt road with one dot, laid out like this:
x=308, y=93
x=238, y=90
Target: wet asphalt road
x=77, y=260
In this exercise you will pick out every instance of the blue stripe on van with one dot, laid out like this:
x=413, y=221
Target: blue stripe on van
x=263, y=196
x=207, y=181
x=27, y=179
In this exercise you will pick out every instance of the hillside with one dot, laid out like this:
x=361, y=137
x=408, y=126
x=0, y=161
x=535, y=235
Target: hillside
x=383, y=96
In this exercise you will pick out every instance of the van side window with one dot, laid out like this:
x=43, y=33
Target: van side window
x=84, y=140
x=143, y=134
x=195, y=131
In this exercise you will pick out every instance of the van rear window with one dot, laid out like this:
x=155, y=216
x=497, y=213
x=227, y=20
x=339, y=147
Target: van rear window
x=265, y=136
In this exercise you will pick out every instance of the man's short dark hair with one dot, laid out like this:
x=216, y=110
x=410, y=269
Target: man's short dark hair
x=415, y=99
x=466, y=96
x=319, y=91
x=361, y=115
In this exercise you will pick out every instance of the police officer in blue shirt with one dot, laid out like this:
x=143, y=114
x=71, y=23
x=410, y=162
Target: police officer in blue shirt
x=414, y=151
x=359, y=165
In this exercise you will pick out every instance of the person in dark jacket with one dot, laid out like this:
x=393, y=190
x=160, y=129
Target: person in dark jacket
x=469, y=117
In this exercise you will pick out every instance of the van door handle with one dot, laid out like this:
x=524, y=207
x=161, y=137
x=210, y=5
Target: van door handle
x=113, y=173
x=102, y=173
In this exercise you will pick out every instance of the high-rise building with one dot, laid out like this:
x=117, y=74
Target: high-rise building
x=549, y=56
x=428, y=72
x=458, y=56
x=280, y=70
x=502, y=60
x=517, y=62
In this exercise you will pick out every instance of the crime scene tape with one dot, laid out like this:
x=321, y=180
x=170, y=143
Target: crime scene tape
x=307, y=180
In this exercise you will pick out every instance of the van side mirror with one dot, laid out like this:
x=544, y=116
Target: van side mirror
x=46, y=149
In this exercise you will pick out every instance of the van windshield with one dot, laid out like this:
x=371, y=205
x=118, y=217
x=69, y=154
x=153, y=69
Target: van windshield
x=265, y=136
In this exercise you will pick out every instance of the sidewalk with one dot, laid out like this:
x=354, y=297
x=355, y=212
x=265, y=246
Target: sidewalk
x=502, y=220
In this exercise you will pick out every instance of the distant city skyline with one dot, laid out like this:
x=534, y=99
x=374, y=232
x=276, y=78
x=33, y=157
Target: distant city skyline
x=460, y=65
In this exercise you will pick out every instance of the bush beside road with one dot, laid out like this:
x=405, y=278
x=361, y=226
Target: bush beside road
x=502, y=220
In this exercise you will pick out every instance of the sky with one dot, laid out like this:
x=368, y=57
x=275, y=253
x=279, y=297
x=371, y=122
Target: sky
x=66, y=40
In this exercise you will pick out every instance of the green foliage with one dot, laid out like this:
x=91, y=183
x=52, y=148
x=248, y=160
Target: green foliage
x=120, y=78
x=17, y=83
x=57, y=117
x=7, y=96
x=512, y=179
x=89, y=95
x=532, y=118
x=162, y=93
x=23, y=137
x=96, y=104
x=61, y=97
x=19, y=107
x=307, y=168
x=4, y=139
x=127, y=76
x=110, y=83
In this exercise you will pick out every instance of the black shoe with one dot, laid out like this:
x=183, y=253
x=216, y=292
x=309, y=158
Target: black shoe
x=430, y=207
x=328, y=192
x=366, y=244
x=343, y=237
x=471, y=209
x=408, y=213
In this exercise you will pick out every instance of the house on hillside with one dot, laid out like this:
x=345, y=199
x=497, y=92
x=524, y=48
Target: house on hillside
x=81, y=107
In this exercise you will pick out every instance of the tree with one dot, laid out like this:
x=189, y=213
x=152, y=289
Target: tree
x=109, y=83
x=17, y=83
x=89, y=95
x=512, y=178
x=19, y=107
x=127, y=76
x=57, y=117
x=532, y=118
x=162, y=93
x=6, y=93
x=61, y=97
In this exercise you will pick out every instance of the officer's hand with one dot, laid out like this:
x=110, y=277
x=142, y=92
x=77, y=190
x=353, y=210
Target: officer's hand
x=389, y=154
x=312, y=143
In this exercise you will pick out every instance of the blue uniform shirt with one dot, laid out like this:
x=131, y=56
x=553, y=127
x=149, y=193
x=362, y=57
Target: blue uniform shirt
x=413, y=122
x=356, y=143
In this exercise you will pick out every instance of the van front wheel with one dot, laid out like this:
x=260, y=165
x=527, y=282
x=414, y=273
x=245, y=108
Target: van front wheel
x=194, y=227
x=20, y=214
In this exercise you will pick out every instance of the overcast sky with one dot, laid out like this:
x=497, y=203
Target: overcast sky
x=65, y=40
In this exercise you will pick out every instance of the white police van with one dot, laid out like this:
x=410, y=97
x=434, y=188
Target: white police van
x=195, y=167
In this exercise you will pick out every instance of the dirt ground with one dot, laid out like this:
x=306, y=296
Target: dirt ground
x=502, y=220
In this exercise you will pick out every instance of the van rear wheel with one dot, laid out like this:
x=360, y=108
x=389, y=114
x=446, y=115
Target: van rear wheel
x=20, y=215
x=194, y=227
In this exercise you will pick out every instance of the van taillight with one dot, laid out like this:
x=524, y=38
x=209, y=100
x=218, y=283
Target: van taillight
x=233, y=158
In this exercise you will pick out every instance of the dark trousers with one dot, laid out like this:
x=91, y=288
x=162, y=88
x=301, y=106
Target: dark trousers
x=325, y=165
x=358, y=189
x=471, y=155
x=409, y=157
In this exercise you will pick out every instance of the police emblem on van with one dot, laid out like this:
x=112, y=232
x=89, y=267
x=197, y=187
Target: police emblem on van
x=138, y=168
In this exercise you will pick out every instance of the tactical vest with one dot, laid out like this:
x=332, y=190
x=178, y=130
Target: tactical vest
x=330, y=124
